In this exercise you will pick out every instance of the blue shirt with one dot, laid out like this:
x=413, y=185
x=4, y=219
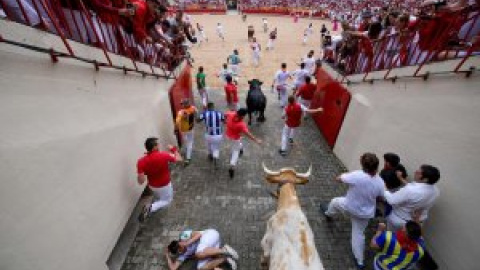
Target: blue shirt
x=213, y=122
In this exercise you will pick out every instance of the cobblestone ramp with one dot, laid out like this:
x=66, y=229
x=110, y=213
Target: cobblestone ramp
x=239, y=208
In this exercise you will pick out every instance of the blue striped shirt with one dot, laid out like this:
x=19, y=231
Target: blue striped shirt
x=213, y=122
x=392, y=256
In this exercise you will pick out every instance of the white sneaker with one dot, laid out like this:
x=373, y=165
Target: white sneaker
x=232, y=263
x=230, y=252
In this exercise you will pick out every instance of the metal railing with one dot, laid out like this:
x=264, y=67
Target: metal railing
x=455, y=35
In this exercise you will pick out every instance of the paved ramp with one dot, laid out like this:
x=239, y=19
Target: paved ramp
x=238, y=208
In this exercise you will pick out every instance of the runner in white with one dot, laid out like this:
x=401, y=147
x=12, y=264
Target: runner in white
x=220, y=31
x=201, y=34
x=280, y=80
x=308, y=31
x=309, y=61
x=265, y=25
x=300, y=75
x=255, y=52
x=224, y=72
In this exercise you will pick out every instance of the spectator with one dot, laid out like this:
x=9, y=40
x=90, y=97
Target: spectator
x=153, y=167
x=419, y=195
x=398, y=250
x=204, y=246
x=365, y=186
x=389, y=172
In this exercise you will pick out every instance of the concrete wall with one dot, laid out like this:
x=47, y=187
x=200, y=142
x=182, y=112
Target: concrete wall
x=434, y=122
x=69, y=141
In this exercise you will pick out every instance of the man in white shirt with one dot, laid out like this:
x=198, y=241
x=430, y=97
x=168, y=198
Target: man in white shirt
x=365, y=186
x=280, y=79
x=419, y=195
x=309, y=61
x=307, y=32
x=224, y=72
x=300, y=75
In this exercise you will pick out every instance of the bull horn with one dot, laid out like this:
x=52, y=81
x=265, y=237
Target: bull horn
x=305, y=175
x=269, y=172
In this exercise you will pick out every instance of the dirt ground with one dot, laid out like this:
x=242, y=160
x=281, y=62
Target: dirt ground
x=288, y=46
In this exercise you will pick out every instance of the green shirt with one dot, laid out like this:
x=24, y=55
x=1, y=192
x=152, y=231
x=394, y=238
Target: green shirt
x=201, y=80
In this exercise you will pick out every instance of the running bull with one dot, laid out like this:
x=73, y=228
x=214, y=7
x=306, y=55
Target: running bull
x=288, y=243
x=256, y=101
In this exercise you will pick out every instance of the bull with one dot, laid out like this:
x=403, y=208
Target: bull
x=256, y=101
x=288, y=242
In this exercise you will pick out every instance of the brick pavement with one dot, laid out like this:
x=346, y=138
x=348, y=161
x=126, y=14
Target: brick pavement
x=239, y=208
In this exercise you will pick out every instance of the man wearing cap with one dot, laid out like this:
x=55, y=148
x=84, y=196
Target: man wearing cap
x=236, y=128
x=203, y=246
x=185, y=122
x=214, y=131
x=153, y=167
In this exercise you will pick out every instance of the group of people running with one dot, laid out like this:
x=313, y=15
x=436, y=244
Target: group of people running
x=404, y=204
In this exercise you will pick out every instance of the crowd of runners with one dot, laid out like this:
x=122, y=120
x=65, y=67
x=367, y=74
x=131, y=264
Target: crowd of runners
x=372, y=191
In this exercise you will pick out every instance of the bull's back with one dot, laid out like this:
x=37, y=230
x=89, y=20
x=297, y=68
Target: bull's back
x=293, y=246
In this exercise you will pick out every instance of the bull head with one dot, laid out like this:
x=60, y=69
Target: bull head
x=287, y=175
x=255, y=82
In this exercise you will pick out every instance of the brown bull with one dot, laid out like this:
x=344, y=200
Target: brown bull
x=288, y=242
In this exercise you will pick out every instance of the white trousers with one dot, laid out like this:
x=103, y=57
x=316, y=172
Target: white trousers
x=282, y=90
x=162, y=197
x=256, y=58
x=210, y=239
x=337, y=205
x=287, y=133
x=305, y=103
x=213, y=144
x=236, y=147
x=270, y=44
x=203, y=96
x=188, y=140
x=235, y=69
x=394, y=222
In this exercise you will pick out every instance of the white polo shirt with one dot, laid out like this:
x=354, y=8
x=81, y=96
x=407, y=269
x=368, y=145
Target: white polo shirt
x=362, y=194
x=281, y=77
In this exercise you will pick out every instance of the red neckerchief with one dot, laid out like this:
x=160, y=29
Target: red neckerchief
x=406, y=243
